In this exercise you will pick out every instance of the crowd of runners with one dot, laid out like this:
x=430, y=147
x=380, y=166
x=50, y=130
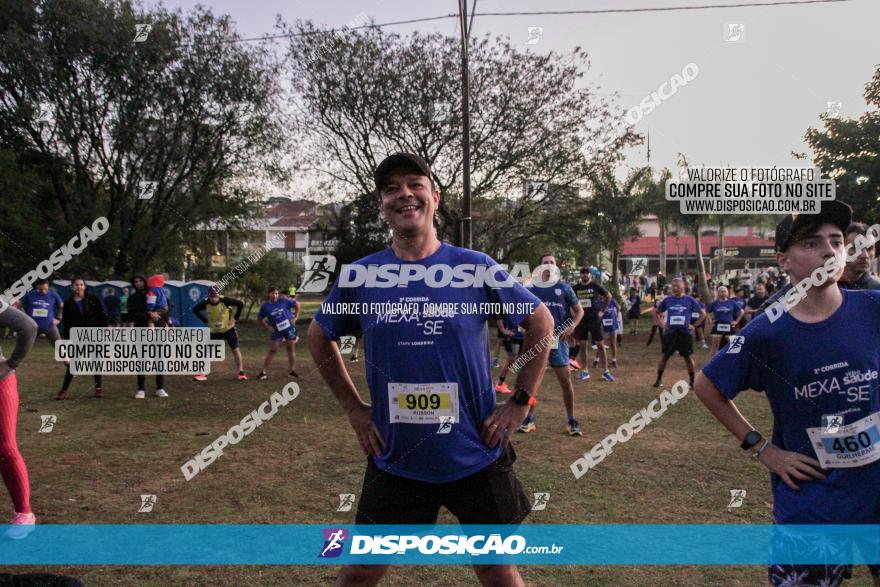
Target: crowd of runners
x=410, y=471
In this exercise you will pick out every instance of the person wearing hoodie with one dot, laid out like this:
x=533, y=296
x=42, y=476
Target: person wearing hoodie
x=141, y=317
x=157, y=301
x=84, y=311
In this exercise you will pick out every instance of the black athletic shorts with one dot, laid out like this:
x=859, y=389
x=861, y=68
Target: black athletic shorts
x=490, y=496
x=230, y=336
x=678, y=341
x=720, y=333
x=512, y=345
x=499, y=334
x=589, y=327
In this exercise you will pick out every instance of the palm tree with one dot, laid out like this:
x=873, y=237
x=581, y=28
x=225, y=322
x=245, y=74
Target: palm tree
x=663, y=209
x=694, y=223
x=616, y=208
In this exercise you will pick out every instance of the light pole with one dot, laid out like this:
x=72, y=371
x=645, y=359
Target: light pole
x=466, y=130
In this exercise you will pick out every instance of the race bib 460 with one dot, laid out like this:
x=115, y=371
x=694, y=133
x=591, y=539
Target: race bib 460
x=853, y=445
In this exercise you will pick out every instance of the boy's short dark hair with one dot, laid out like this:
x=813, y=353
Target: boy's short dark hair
x=40, y=281
x=859, y=228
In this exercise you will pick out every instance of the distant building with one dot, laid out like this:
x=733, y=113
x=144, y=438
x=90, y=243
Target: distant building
x=292, y=228
x=742, y=244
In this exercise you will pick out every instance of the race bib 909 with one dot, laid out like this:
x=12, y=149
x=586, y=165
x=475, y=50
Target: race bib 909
x=422, y=403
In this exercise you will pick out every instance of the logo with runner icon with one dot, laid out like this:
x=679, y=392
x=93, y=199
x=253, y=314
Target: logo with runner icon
x=831, y=423
x=446, y=423
x=736, y=344
x=147, y=504
x=638, y=266
x=319, y=269
x=334, y=539
x=346, y=344
x=346, y=500
x=737, y=497
x=47, y=423
x=541, y=500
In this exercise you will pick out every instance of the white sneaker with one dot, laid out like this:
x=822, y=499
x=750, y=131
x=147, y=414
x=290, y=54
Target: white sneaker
x=21, y=525
x=140, y=394
x=160, y=393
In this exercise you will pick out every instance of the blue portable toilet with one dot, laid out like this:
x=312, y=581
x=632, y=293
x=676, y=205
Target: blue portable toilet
x=62, y=288
x=93, y=287
x=172, y=290
x=191, y=293
x=103, y=289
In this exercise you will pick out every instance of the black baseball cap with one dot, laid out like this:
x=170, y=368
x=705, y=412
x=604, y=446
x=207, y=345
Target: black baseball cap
x=399, y=161
x=831, y=212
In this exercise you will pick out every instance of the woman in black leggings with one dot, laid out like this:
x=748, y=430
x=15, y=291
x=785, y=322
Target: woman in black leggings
x=141, y=318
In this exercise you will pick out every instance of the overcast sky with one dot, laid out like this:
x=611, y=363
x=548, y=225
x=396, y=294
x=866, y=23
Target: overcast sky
x=751, y=102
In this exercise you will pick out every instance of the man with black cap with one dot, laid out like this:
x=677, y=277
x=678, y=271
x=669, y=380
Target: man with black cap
x=818, y=365
x=593, y=298
x=432, y=432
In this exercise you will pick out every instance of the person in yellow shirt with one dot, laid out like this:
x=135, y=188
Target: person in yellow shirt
x=216, y=312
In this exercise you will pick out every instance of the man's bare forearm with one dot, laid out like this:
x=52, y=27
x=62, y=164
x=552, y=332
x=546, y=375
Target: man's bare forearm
x=538, y=329
x=329, y=362
x=724, y=410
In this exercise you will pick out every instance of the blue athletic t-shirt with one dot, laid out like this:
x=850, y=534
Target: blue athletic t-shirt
x=739, y=302
x=559, y=298
x=518, y=335
x=41, y=307
x=725, y=311
x=678, y=311
x=156, y=298
x=611, y=317
x=280, y=314
x=828, y=368
x=437, y=352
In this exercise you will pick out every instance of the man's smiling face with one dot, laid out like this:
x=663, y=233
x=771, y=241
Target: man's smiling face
x=407, y=202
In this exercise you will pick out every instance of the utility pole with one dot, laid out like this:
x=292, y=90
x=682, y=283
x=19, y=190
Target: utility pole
x=468, y=240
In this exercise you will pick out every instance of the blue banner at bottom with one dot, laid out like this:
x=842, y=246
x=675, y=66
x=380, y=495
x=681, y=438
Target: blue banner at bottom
x=530, y=544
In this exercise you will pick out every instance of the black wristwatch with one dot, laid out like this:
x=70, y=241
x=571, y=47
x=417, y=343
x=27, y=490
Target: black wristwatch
x=521, y=397
x=751, y=439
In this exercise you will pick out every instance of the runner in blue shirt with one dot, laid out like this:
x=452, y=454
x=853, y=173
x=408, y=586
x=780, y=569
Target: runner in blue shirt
x=433, y=434
x=633, y=310
x=44, y=307
x=278, y=316
x=513, y=339
x=818, y=366
x=560, y=299
x=725, y=315
x=610, y=326
x=697, y=319
x=675, y=316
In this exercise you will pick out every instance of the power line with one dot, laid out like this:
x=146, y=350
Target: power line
x=659, y=8
x=324, y=31
x=535, y=13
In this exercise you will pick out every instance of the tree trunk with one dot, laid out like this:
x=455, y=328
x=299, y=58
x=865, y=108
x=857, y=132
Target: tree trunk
x=702, y=286
x=663, y=233
x=615, y=256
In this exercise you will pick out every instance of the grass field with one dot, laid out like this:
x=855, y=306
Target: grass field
x=103, y=454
